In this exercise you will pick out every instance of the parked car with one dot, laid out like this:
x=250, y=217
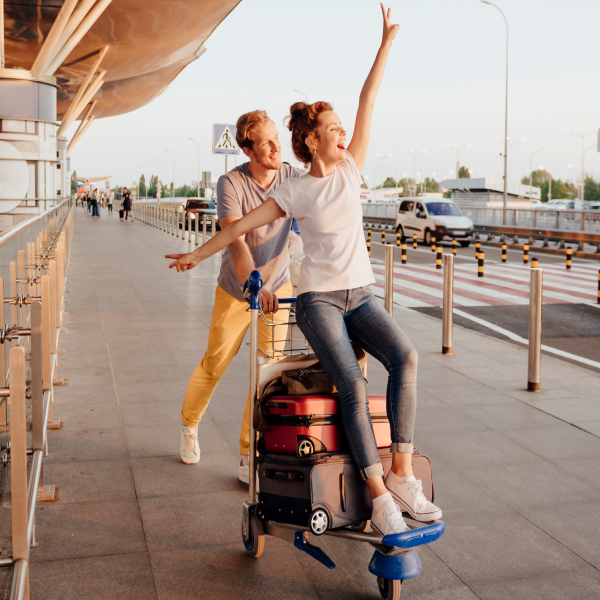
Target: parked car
x=433, y=217
x=592, y=205
x=198, y=207
x=561, y=204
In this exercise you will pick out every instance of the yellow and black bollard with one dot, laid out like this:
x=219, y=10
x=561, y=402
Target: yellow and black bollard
x=404, y=257
x=480, y=259
x=569, y=257
x=504, y=249
x=598, y=287
x=534, y=263
x=438, y=258
x=414, y=241
x=525, y=253
x=477, y=249
x=398, y=240
x=454, y=247
x=383, y=237
x=433, y=246
x=369, y=241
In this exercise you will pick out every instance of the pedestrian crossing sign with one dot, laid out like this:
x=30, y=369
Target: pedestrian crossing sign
x=224, y=139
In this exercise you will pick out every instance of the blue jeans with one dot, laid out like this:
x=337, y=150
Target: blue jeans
x=329, y=320
x=95, y=212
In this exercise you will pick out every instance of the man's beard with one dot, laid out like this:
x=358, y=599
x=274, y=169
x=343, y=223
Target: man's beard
x=266, y=163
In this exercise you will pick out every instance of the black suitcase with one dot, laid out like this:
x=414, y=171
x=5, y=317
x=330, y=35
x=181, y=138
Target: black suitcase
x=121, y=213
x=323, y=491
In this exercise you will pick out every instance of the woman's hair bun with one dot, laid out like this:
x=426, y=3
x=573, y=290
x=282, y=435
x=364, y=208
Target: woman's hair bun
x=302, y=121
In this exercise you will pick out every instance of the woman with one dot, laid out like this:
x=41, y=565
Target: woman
x=109, y=201
x=126, y=204
x=334, y=302
x=95, y=202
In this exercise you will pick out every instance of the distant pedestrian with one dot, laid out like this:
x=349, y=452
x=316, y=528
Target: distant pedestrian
x=109, y=201
x=127, y=204
x=96, y=199
x=88, y=200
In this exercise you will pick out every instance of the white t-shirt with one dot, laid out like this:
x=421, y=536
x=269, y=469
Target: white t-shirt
x=329, y=213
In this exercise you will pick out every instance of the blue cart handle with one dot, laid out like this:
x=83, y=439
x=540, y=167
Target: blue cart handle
x=252, y=287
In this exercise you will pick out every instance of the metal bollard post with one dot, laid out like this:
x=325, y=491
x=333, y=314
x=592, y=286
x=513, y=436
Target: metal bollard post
x=535, y=330
x=204, y=228
x=398, y=240
x=480, y=260
x=453, y=247
x=448, y=306
x=525, y=253
x=433, y=246
x=383, y=237
x=569, y=257
x=404, y=256
x=389, y=278
x=438, y=258
x=197, y=228
x=534, y=263
x=177, y=221
x=504, y=249
x=477, y=249
x=414, y=241
x=598, y=287
x=369, y=241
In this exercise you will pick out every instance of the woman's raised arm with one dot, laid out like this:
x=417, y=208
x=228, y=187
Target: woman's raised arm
x=362, y=128
x=266, y=213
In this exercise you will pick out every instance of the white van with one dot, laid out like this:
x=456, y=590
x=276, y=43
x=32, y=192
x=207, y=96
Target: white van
x=433, y=217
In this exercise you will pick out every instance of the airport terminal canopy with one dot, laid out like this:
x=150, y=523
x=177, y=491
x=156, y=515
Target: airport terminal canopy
x=149, y=43
x=484, y=191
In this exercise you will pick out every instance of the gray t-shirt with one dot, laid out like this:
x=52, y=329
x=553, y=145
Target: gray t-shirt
x=238, y=194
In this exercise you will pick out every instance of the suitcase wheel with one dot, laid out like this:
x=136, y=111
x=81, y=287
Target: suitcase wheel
x=319, y=521
x=256, y=544
x=304, y=448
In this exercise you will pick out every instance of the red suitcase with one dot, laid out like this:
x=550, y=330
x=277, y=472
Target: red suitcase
x=304, y=425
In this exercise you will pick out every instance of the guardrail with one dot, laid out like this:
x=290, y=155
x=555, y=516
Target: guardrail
x=171, y=220
x=36, y=301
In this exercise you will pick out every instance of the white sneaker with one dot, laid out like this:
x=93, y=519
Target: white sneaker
x=189, y=447
x=244, y=470
x=410, y=498
x=388, y=519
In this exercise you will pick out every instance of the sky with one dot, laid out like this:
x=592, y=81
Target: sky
x=444, y=84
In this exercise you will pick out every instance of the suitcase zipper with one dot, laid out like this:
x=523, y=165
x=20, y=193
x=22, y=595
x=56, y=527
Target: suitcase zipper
x=308, y=420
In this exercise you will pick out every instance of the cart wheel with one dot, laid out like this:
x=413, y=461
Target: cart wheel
x=319, y=521
x=305, y=448
x=361, y=525
x=256, y=544
x=389, y=589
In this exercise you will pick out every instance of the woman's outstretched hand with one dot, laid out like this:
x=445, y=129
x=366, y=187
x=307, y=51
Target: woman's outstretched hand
x=183, y=262
x=389, y=30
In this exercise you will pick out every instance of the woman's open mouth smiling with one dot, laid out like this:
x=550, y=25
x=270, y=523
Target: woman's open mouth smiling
x=341, y=146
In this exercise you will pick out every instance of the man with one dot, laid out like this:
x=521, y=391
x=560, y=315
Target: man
x=238, y=192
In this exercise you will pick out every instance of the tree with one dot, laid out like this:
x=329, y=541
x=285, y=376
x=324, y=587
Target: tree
x=431, y=185
x=143, y=190
x=74, y=182
x=464, y=173
x=538, y=177
x=591, y=189
x=407, y=185
x=390, y=182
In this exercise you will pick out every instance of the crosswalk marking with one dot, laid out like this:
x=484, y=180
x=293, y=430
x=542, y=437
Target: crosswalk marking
x=503, y=285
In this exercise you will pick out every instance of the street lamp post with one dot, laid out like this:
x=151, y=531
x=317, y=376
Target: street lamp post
x=382, y=158
x=173, y=194
x=531, y=170
x=157, y=174
x=458, y=150
x=415, y=154
x=582, y=134
x=423, y=185
x=505, y=202
x=198, y=180
x=399, y=165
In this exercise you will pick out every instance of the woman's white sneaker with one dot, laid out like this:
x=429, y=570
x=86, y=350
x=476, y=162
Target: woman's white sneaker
x=388, y=519
x=189, y=447
x=408, y=494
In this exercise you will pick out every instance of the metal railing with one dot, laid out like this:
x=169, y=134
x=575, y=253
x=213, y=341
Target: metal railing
x=172, y=221
x=39, y=249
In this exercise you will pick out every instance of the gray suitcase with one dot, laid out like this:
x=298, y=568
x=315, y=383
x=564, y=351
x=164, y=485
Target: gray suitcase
x=322, y=487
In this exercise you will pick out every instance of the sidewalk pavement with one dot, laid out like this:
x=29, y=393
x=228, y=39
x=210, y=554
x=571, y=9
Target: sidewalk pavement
x=516, y=474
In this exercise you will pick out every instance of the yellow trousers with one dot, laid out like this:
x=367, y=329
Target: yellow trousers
x=229, y=322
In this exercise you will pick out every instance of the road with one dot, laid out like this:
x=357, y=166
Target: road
x=500, y=300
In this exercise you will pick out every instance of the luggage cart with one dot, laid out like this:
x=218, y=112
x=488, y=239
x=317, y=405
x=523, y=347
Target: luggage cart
x=394, y=559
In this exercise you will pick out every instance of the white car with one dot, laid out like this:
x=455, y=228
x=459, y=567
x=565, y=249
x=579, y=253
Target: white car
x=433, y=217
x=562, y=204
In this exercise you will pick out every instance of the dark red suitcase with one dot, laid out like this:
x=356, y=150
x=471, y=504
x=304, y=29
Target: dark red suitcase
x=304, y=425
